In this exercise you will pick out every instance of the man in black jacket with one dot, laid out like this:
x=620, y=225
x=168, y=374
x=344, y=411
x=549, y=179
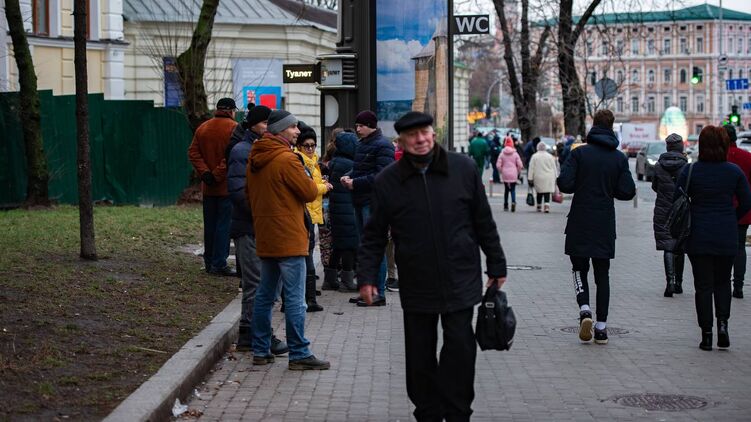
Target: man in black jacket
x=435, y=204
x=374, y=153
x=597, y=173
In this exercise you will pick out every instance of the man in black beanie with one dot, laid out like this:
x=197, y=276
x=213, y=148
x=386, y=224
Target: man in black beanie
x=435, y=203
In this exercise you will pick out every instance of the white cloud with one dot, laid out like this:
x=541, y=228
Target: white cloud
x=396, y=55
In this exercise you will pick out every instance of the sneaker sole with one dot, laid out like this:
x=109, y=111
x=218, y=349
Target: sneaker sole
x=601, y=341
x=303, y=367
x=392, y=289
x=585, y=329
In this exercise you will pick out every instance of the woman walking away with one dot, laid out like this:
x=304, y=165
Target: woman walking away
x=713, y=242
x=343, y=227
x=543, y=170
x=510, y=165
x=668, y=167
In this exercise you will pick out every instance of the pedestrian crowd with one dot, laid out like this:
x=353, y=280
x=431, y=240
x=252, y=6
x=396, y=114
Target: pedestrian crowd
x=407, y=206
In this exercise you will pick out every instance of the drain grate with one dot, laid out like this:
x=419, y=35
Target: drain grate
x=611, y=330
x=662, y=402
x=523, y=267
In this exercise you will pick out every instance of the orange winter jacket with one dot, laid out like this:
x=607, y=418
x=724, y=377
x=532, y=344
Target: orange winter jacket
x=207, y=150
x=277, y=189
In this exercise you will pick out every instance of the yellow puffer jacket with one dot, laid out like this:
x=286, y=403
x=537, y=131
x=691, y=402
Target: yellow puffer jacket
x=315, y=208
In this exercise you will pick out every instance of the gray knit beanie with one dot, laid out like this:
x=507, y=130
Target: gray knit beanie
x=674, y=142
x=280, y=120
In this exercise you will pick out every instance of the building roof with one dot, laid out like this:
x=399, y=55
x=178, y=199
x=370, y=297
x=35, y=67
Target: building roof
x=243, y=12
x=702, y=12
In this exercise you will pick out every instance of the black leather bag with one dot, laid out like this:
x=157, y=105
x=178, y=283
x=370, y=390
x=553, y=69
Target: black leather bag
x=496, y=322
x=679, y=215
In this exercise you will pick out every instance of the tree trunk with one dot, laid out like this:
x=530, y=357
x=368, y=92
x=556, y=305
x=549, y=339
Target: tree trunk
x=191, y=64
x=85, y=205
x=37, y=173
x=574, y=97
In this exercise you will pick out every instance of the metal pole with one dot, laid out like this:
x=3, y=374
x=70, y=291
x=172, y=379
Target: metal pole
x=722, y=84
x=487, y=96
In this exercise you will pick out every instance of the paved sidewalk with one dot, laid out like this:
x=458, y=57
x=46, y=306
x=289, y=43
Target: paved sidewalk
x=548, y=374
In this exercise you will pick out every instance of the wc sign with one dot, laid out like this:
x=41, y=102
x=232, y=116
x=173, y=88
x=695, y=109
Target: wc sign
x=470, y=24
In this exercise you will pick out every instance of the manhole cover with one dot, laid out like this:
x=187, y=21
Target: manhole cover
x=611, y=330
x=523, y=267
x=663, y=402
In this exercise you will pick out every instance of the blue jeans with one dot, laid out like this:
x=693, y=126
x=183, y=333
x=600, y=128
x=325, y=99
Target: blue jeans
x=217, y=215
x=291, y=273
x=362, y=215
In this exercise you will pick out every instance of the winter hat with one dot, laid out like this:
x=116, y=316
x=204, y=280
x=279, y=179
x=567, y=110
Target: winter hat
x=280, y=120
x=367, y=118
x=411, y=120
x=674, y=142
x=256, y=115
x=509, y=142
x=226, y=104
x=730, y=129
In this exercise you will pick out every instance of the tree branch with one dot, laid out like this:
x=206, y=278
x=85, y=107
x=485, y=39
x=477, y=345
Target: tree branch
x=583, y=20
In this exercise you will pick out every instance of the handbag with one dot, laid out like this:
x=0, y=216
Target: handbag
x=557, y=196
x=530, y=197
x=679, y=215
x=496, y=322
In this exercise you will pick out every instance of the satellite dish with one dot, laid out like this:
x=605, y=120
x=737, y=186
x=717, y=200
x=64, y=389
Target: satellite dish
x=606, y=89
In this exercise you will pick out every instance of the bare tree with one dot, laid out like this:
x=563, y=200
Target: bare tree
x=85, y=203
x=524, y=93
x=37, y=173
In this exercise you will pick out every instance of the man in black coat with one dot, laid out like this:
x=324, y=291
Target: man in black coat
x=435, y=204
x=596, y=173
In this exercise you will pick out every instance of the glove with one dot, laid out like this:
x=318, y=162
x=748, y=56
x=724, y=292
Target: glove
x=208, y=178
x=531, y=183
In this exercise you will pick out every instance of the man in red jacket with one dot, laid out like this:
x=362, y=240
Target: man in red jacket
x=742, y=159
x=207, y=154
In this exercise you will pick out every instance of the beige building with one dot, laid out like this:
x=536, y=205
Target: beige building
x=49, y=28
x=652, y=57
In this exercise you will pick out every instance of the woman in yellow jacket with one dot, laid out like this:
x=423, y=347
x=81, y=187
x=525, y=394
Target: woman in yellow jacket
x=306, y=148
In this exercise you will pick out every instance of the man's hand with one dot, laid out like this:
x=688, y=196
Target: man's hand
x=208, y=178
x=347, y=182
x=498, y=282
x=367, y=292
x=329, y=187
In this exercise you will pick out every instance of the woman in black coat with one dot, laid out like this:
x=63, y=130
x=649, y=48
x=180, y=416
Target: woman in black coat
x=344, y=231
x=713, y=241
x=668, y=168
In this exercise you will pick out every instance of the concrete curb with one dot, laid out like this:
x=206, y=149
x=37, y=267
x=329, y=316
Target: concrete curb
x=153, y=400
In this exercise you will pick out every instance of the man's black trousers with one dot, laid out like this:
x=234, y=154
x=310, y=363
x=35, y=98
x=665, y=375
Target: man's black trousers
x=602, y=280
x=440, y=388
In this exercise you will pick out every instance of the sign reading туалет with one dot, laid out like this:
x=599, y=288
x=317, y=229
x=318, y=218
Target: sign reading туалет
x=299, y=73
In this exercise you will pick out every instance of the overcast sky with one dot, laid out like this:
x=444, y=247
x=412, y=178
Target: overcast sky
x=486, y=6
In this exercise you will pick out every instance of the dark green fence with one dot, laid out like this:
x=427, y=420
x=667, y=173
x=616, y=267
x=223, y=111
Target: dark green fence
x=138, y=152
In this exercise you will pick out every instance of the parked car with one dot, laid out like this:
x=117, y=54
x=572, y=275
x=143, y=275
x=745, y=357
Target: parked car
x=633, y=147
x=646, y=159
x=744, y=141
x=549, y=144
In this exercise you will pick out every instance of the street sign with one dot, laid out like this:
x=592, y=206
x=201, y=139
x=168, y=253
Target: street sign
x=470, y=24
x=723, y=60
x=606, y=88
x=747, y=106
x=299, y=73
x=736, y=84
x=331, y=72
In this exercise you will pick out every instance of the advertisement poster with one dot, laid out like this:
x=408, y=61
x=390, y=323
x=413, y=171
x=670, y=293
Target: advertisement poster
x=412, y=62
x=257, y=81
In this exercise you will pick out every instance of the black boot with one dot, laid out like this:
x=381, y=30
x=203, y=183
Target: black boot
x=330, y=276
x=310, y=294
x=679, y=260
x=706, y=340
x=738, y=289
x=244, y=340
x=723, y=338
x=669, y=261
x=348, y=284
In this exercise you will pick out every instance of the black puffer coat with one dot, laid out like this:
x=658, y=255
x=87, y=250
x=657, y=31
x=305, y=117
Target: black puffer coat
x=439, y=221
x=596, y=174
x=374, y=153
x=667, y=170
x=341, y=210
x=237, y=161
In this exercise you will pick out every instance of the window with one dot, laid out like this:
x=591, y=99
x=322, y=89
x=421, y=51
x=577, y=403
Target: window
x=699, y=45
x=699, y=127
x=740, y=46
x=635, y=47
x=619, y=104
x=666, y=103
x=650, y=104
x=593, y=77
x=41, y=17
x=651, y=47
x=619, y=47
x=619, y=76
x=666, y=46
x=684, y=77
x=651, y=76
x=748, y=46
x=730, y=74
x=634, y=76
x=700, y=104
x=634, y=105
x=589, y=48
x=730, y=45
x=683, y=103
x=740, y=73
x=605, y=48
x=666, y=75
x=683, y=46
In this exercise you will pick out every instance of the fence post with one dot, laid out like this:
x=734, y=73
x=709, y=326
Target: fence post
x=490, y=183
x=636, y=198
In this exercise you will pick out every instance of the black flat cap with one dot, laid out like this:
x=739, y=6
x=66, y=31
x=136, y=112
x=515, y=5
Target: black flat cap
x=226, y=104
x=412, y=120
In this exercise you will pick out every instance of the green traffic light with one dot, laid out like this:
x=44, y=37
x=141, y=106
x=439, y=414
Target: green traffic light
x=695, y=80
x=734, y=119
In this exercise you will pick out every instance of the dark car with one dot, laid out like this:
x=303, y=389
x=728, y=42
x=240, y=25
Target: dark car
x=646, y=159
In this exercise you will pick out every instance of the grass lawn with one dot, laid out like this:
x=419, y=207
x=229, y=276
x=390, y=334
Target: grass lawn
x=77, y=337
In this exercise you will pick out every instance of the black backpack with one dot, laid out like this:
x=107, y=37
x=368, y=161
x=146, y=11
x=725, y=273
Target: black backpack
x=679, y=215
x=496, y=322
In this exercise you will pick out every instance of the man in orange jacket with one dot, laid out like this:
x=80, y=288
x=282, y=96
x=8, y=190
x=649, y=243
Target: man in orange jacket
x=207, y=154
